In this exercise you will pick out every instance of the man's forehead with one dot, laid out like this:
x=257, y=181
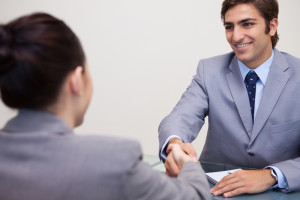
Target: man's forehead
x=241, y=12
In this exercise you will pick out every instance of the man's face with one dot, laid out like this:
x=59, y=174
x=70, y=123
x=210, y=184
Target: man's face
x=245, y=32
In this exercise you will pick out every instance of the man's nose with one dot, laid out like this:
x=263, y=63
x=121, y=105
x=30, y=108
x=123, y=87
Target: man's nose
x=238, y=35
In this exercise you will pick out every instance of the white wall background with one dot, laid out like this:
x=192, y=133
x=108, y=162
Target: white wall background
x=142, y=55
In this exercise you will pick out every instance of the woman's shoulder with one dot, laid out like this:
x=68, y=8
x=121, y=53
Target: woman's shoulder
x=106, y=147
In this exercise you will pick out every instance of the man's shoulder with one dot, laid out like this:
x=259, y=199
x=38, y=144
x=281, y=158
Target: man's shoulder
x=219, y=58
x=216, y=64
x=285, y=60
x=291, y=59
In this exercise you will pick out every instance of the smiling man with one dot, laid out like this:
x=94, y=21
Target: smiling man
x=250, y=97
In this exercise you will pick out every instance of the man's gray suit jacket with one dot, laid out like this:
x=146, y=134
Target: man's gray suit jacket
x=41, y=159
x=218, y=91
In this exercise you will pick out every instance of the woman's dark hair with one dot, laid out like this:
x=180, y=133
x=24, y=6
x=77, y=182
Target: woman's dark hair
x=37, y=52
x=268, y=9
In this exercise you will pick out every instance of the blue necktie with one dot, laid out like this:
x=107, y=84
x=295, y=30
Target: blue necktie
x=250, y=80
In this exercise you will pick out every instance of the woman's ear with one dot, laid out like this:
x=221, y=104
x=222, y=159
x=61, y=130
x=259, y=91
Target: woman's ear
x=76, y=81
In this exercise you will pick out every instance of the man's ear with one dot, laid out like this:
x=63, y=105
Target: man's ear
x=76, y=81
x=273, y=26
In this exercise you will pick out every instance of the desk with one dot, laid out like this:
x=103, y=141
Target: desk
x=212, y=167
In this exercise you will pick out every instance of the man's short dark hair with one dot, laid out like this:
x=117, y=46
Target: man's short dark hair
x=268, y=9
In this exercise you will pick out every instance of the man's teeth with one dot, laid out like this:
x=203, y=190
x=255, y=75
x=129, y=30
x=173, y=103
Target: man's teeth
x=242, y=45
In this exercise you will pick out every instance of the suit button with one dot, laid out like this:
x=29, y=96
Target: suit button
x=251, y=154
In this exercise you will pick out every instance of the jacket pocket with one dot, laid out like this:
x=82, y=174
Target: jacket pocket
x=285, y=140
x=286, y=127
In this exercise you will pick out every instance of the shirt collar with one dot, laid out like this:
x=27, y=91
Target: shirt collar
x=262, y=71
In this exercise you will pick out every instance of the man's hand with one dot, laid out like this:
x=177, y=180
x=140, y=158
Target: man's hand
x=244, y=181
x=172, y=169
x=178, y=154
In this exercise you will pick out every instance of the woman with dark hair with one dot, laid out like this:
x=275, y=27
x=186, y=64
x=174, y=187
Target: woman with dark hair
x=44, y=74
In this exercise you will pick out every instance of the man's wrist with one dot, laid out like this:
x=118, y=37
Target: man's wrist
x=273, y=173
x=163, y=154
x=175, y=141
x=282, y=183
x=273, y=177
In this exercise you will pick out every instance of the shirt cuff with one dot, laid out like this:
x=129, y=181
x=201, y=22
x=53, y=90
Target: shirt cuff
x=282, y=183
x=163, y=153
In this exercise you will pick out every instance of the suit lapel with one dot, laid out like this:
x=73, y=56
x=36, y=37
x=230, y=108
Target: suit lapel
x=276, y=81
x=239, y=94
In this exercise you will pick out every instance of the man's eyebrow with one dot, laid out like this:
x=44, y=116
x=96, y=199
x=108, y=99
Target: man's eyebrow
x=240, y=22
x=246, y=20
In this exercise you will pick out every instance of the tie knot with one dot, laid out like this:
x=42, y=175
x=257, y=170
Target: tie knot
x=251, y=78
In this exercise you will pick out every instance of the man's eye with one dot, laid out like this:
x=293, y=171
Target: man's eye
x=247, y=24
x=229, y=28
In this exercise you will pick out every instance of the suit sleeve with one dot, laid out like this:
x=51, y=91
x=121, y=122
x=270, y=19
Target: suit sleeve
x=142, y=182
x=187, y=118
x=291, y=169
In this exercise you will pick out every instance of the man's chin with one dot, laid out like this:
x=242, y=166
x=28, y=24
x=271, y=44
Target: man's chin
x=79, y=122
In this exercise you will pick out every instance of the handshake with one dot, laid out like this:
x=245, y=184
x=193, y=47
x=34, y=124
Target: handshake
x=178, y=154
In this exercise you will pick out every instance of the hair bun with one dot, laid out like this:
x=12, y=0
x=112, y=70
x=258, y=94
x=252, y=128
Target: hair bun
x=6, y=51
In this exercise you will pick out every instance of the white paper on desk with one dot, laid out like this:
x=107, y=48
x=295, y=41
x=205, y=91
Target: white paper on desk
x=215, y=177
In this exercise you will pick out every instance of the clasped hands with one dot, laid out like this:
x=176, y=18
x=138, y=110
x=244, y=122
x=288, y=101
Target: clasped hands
x=239, y=182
